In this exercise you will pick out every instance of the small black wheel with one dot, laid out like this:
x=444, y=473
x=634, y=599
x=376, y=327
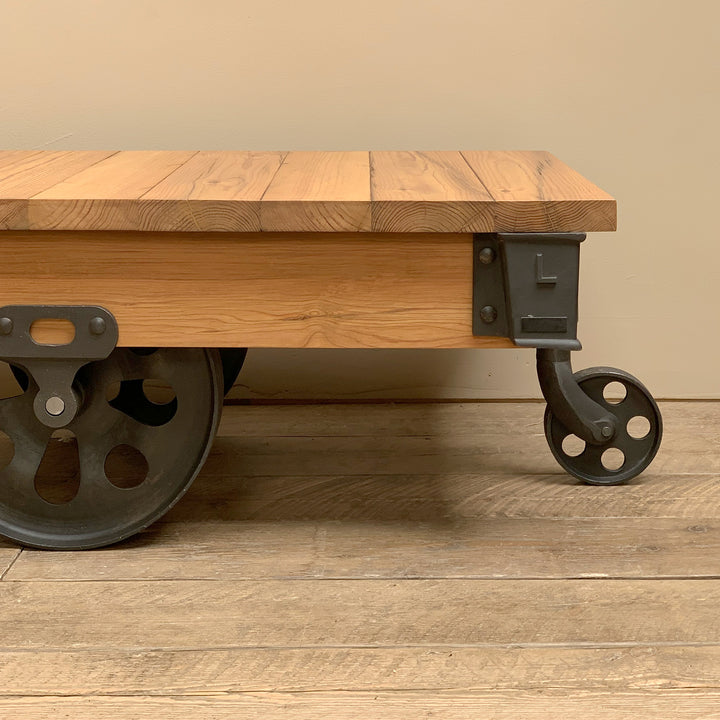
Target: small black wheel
x=114, y=469
x=637, y=436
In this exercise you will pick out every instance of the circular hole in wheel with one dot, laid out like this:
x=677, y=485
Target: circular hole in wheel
x=573, y=446
x=614, y=392
x=613, y=459
x=57, y=479
x=638, y=427
x=142, y=352
x=158, y=392
x=126, y=467
x=7, y=450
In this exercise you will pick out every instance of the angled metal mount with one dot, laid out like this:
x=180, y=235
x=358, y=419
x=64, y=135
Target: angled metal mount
x=53, y=367
x=573, y=408
x=525, y=287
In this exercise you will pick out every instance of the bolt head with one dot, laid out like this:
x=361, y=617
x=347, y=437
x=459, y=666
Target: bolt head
x=55, y=406
x=486, y=255
x=606, y=431
x=6, y=326
x=488, y=314
x=98, y=326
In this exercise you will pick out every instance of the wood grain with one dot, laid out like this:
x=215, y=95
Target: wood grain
x=211, y=290
x=107, y=195
x=195, y=547
x=495, y=705
x=416, y=191
x=341, y=670
x=26, y=173
x=218, y=191
x=189, y=614
x=319, y=191
x=534, y=192
x=358, y=191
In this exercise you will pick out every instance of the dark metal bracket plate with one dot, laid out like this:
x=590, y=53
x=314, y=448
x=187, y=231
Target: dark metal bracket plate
x=53, y=367
x=525, y=287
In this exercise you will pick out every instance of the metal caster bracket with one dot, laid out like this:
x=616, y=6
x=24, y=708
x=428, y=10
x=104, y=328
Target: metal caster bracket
x=569, y=403
x=525, y=287
x=54, y=367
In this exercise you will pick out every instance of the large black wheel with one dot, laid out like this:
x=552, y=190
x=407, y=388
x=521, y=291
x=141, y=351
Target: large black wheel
x=637, y=435
x=117, y=466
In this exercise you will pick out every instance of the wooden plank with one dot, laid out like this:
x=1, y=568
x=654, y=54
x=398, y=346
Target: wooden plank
x=319, y=191
x=521, y=453
x=371, y=498
x=686, y=421
x=536, y=192
x=107, y=194
x=417, y=191
x=256, y=290
x=216, y=191
x=26, y=173
x=312, y=191
x=9, y=553
x=462, y=548
x=498, y=705
x=313, y=670
x=177, y=614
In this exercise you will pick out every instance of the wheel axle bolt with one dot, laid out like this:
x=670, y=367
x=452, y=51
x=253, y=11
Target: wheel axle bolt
x=6, y=326
x=55, y=406
x=488, y=314
x=606, y=431
x=97, y=326
x=486, y=255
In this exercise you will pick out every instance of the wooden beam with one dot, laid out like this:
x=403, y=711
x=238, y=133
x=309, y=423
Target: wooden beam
x=256, y=290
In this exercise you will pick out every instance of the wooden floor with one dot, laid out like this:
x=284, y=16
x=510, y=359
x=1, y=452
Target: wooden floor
x=387, y=561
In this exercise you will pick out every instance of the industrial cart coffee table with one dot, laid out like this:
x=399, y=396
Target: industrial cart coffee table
x=124, y=271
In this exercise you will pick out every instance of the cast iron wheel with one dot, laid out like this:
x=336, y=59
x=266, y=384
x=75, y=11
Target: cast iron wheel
x=637, y=435
x=129, y=469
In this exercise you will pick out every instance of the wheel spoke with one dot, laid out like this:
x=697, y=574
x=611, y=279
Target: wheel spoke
x=14, y=410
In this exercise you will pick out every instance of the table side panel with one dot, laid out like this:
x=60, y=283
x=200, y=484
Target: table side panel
x=291, y=290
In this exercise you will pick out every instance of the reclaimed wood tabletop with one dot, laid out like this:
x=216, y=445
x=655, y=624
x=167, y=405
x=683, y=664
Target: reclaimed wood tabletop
x=357, y=191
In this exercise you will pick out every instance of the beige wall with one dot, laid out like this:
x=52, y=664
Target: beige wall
x=624, y=90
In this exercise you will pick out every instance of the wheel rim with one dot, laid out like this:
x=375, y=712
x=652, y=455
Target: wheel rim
x=592, y=464
x=173, y=438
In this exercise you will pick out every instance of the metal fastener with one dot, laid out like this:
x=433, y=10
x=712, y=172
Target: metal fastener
x=488, y=314
x=486, y=255
x=55, y=406
x=606, y=431
x=6, y=326
x=98, y=326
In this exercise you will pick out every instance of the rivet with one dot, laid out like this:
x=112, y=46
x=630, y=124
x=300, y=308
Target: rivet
x=55, y=406
x=486, y=255
x=488, y=314
x=6, y=326
x=98, y=326
x=606, y=431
